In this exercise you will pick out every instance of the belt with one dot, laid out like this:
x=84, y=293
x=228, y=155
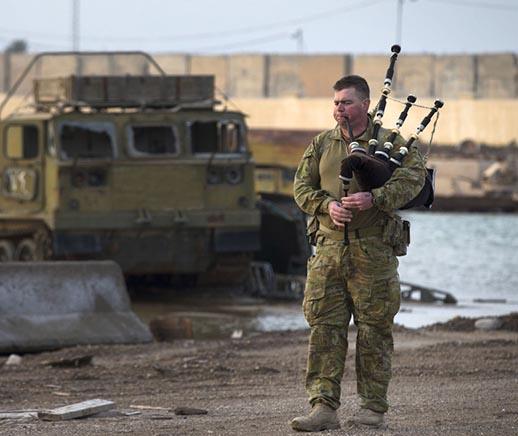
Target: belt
x=353, y=234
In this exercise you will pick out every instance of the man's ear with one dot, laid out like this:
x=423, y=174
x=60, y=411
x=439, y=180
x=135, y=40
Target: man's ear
x=366, y=103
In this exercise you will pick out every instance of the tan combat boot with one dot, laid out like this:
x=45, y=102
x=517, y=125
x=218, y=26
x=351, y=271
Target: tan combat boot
x=322, y=417
x=367, y=418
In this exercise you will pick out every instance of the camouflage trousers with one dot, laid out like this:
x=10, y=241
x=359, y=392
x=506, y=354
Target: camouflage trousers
x=360, y=281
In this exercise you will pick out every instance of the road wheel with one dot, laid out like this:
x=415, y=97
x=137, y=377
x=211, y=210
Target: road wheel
x=27, y=251
x=6, y=251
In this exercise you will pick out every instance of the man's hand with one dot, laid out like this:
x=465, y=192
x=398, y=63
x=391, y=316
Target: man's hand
x=358, y=200
x=339, y=214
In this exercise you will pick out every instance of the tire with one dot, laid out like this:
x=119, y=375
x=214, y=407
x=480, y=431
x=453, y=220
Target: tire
x=27, y=251
x=6, y=251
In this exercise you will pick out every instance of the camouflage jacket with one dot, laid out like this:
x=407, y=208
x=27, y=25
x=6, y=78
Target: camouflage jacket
x=317, y=184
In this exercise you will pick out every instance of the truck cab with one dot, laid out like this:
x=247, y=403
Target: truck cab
x=143, y=170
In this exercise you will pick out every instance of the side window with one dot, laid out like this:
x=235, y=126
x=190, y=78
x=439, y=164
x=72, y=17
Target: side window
x=153, y=140
x=204, y=137
x=21, y=142
x=51, y=141
x=86, y=140
x=231, y=138
x=224, y=136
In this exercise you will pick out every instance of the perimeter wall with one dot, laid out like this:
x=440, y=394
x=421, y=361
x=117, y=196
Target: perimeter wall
x=294, y=91
x=307, y=76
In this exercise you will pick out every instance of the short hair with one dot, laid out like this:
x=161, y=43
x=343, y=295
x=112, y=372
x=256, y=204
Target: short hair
x=359, y=84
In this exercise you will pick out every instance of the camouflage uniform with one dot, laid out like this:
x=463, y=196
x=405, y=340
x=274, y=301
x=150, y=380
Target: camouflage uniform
x=358, y=280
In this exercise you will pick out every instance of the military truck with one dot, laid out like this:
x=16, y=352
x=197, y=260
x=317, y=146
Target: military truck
x=142, y=169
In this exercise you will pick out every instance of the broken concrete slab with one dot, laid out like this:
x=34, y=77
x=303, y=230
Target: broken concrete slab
x=47, y=305
x=22, y=414
x=77, y=410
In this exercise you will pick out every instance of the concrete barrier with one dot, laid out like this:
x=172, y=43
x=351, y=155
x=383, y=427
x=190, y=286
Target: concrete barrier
x=46, y=305
x=303, y=76
x=414, y=75
x=173, y=64
x=455, y=77
x=497, y=76
x=216, y=65
x=246, y=76
x=491, y=76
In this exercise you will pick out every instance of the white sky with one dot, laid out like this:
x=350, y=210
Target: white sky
x=266, y=26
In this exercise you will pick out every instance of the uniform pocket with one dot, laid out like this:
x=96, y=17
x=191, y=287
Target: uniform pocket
x=311, y=306
x=380, y=303
x=397, y=234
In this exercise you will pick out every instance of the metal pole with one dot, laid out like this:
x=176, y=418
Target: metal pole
x=399, y=21
x=75, y=25
x=298, y=35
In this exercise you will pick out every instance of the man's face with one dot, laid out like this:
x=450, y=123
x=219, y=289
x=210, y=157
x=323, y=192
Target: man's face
x=348, y=105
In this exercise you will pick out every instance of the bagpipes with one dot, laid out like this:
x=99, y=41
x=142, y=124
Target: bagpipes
x=373, y=169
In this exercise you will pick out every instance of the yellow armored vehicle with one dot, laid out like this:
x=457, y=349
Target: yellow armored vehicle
x=137, y=168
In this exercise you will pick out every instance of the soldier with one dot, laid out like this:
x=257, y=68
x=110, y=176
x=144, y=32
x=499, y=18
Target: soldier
x=359, y=279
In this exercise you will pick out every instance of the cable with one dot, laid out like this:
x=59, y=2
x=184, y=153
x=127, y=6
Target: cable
x=479, y=4
x=275, y=37
x=211, y=35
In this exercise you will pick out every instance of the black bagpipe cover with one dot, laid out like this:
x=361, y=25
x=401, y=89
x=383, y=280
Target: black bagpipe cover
x=371, y=172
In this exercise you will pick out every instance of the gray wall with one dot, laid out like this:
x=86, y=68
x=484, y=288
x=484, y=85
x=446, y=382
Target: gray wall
x=485, y=76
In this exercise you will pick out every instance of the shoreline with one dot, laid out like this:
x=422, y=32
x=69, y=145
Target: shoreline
x=223, y=315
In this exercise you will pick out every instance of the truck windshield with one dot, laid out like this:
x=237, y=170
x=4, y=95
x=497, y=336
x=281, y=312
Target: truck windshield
x=224, y=136
x=152, y=140
x=86, y=140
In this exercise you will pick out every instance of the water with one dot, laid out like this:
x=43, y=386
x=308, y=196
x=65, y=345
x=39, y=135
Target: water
x=471, y=255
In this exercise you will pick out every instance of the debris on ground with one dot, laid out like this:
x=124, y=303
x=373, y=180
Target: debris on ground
x=74, y=362
x=463, y=324
x=13, y=359
x=445, y=382
x=189, y=411
x=77, y=410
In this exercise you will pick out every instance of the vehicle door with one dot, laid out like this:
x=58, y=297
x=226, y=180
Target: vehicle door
x=21, y=167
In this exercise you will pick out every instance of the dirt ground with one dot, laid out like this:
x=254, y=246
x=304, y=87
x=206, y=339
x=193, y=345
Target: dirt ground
x=448, y=380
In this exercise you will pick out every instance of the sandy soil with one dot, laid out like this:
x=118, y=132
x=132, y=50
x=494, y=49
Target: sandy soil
x=448, y=380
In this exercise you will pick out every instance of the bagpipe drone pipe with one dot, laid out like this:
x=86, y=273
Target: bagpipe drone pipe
x=374, y=168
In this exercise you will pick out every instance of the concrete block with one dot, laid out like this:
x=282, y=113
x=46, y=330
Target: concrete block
x=304, y=76
x=133, y=64
x=45, y=305
x=319, y=73
x=497, y=76
x=16, y=64
x=76, y=410
x=95, y=64
x=66, y=65
x=414, y=74
x=455, y=77
x=57, y=66
x=214, y=65
x=247, y=76
x=373, y=69
x=284, y=76
x=173, y=64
